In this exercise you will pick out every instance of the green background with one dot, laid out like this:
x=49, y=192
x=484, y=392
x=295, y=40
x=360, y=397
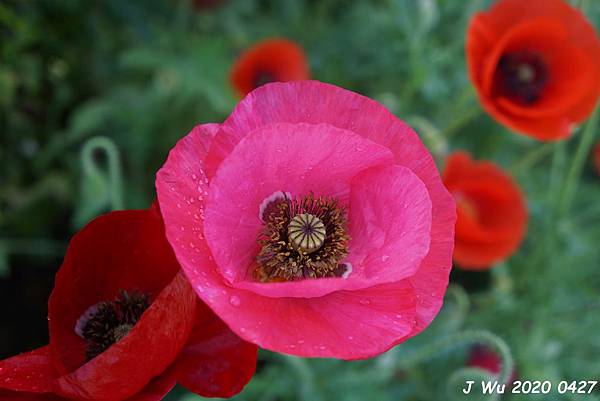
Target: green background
x=93, y=94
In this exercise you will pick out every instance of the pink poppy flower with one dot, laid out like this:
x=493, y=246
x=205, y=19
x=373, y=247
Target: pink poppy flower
x=312, y=221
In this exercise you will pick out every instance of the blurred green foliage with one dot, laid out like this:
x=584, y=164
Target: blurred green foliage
x=93, y=95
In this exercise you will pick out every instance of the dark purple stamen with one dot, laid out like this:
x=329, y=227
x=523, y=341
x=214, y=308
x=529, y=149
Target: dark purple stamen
x=521, y=77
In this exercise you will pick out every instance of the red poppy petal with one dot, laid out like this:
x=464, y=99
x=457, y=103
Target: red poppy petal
x=215, y=362
x=30, y=372
x=570, y=69
x=121, y=250
x=150, y=347
x=157, y=389
x=492, y=213
x=7, y=395
x=481, y=256
x=563, y=38
x=276, y=59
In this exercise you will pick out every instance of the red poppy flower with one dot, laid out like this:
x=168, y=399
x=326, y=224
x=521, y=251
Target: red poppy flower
x=272, y=60
x=535, y=65
x=596, y=157
x=492, y=214
x=126, y=325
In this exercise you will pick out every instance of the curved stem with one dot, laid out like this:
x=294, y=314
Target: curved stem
x=459, y=377
x=464, y=338
x=461, y=299
x=115, y=176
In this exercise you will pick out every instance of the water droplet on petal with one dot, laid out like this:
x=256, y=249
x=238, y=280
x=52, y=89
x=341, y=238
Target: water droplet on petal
x=235, y=300
x=365, y=302
x=384, y=258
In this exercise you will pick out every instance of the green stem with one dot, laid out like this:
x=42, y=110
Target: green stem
x=532, y=157
x=462, y=302
x=305, y=377
x=464, y=338
x=583, y=150
x=431, y=136
x=459, y=123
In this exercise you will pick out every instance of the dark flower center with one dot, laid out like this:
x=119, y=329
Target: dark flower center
x=106, y=323
x=302, y=238
x=263, y=77
x=521, y=77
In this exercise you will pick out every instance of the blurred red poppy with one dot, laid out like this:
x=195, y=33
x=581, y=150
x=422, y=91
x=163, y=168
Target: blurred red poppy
x=492, y=214
x=596, y=157
x=125, y=324
x=535, y=65
x=272, y=60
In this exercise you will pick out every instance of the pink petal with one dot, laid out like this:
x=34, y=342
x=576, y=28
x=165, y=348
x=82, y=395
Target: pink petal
x=390, y=222
x=344, y=324
x=266, y=161
x=316, y=102
x=289, y=323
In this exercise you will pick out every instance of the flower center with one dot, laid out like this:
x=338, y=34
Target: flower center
x=304, y=237
x=521, y=77
x=106, y=323
x=306, y=232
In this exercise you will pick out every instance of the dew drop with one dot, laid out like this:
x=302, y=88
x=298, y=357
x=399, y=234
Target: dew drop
x=235, y=300
x=365, y=302
x=194, y=177
x=300, y=341
x=243, y=329
x=384, y=258
x=350, y=338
